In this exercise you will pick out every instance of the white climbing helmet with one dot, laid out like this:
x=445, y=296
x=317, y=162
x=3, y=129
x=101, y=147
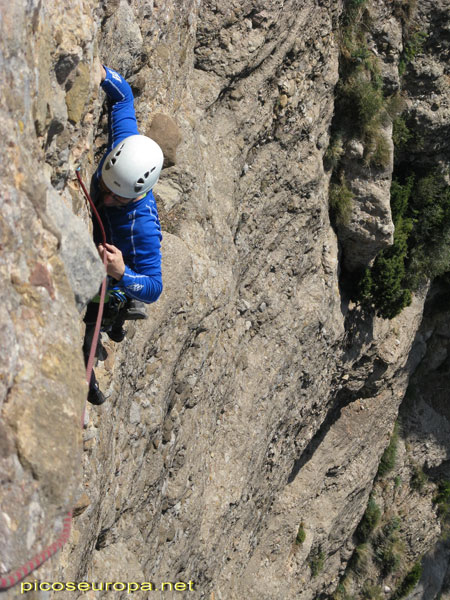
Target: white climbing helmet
x=133, y=166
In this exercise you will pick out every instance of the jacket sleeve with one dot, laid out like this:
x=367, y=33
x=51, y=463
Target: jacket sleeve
x=146, y=288
x=122, y=117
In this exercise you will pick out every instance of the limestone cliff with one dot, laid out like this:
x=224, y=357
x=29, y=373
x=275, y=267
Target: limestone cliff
x=246, y=418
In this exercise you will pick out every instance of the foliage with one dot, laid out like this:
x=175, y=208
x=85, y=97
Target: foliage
x=401, y=134
x=387, y=462
x=377, y=149
x=371, y=591
x=429, y=205
x=353, y=11
x=369, y=520
x=361, y=108
x=443, y=495
x=341, y=593
x=340, y=200
x=334, y=152
x=409, y=582
x=301, y=535
x=418, y=478
x=405, y=9
x=363, y=98
x=442, y=499
x=400, y=195
x=360, y=559
x=392, y=527
x=412, y=47
x=387, y=547
x=383, y=285
x=421, y=250
x=316, y=562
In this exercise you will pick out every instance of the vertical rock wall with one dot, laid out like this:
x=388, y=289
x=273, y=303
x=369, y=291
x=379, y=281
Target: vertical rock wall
x=255, y=397
x=42, y=386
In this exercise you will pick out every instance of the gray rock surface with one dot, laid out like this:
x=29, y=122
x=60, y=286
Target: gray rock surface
x=83, y=266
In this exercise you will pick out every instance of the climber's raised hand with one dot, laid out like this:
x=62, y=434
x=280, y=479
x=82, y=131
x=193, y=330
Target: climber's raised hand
x=114, y=260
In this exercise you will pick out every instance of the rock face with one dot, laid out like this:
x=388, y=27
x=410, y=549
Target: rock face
x=256, y=398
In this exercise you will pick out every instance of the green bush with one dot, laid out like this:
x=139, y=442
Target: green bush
x=387, y=462
x=369, y=520
x=387, y=547
x=409, y=582
x=334, y=152
x=418, y=479
x=401, y=134
x=392, y=526
x=421, y=250
x=342, y=594
x=384, y=287
x=370, y=591
x=400, y=195
x=301, y=535
x=363, y=98
x=413, y=47
x=389, y=559
x=360, y=559
x=429, y=206
x=387, y=556
x=443, y=495
x=379, y=154
x=316, y=562
x=340, y=201
x=353, y=11
x=442, y=499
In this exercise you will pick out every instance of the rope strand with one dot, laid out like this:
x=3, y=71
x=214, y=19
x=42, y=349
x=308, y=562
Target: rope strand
x=13, y=577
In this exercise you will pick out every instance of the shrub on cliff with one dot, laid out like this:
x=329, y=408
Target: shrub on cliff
x=301, y=535
x=388, y=547
x=387, y=462
x=340, y=200
x=382, y=285
x=421, y=250
x=442, y=500
x=369, y=520
x=429, y=205
x=408, y=583
x=316, y=562
x=412, y=47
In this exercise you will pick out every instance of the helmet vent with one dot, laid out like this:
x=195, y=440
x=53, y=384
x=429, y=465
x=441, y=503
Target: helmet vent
x=152, y=169
x=112, y=161
x=147, y=174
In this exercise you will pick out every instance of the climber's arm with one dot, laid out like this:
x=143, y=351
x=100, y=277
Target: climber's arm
x=122, y=118
x=145, y=286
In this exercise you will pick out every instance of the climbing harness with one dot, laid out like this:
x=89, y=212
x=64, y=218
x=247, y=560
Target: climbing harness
x=16, y=575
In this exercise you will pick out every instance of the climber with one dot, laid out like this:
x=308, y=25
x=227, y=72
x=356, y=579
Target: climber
x=122, y=188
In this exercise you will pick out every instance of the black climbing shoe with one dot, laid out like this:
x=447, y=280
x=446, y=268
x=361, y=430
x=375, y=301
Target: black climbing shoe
x=134, y=311
x=95, y=395
x=102, y=353
x=116, y=333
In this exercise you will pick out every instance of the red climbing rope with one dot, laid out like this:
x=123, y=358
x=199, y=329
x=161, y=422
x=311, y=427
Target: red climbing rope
x=12, y=578
x=91, y=359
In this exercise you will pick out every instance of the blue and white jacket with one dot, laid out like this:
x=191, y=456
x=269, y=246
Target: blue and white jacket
x=134, y=228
